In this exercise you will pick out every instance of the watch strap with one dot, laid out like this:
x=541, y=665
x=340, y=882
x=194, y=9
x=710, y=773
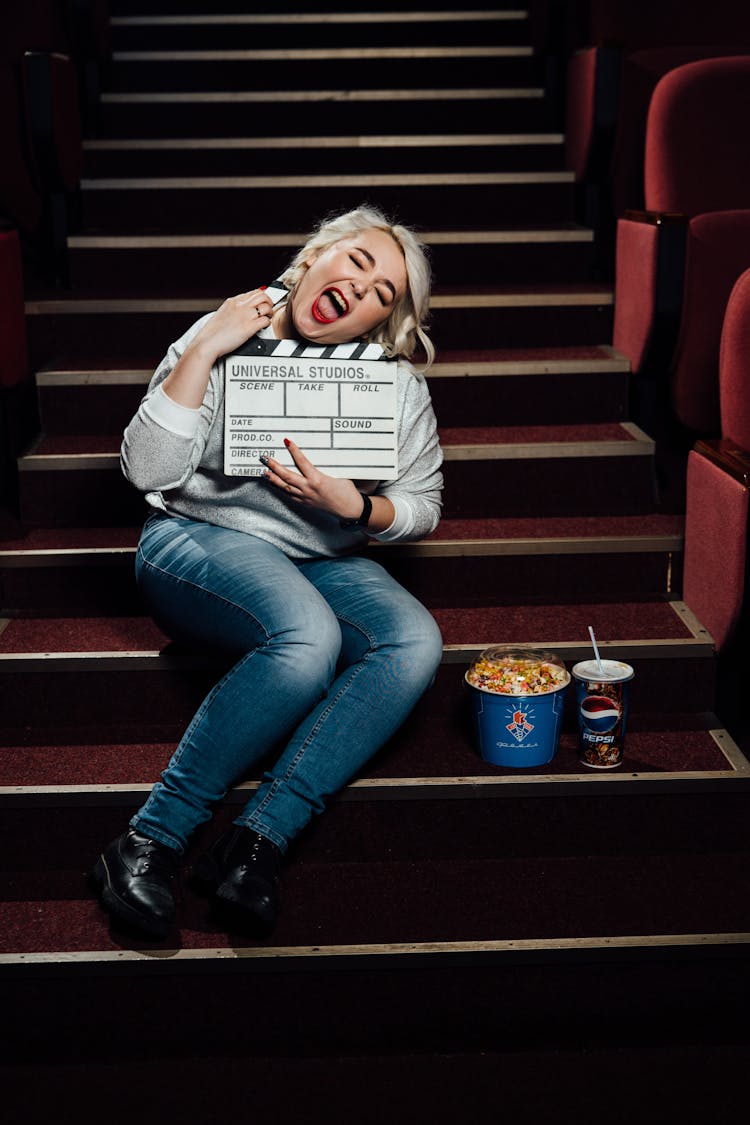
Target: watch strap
x=363, y=518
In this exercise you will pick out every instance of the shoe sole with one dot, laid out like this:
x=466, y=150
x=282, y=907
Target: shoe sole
x=239, y=916
x=207, y=878
x=119, y=909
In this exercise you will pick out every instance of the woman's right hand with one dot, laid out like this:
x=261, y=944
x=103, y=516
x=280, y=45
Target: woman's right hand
x=234, y=322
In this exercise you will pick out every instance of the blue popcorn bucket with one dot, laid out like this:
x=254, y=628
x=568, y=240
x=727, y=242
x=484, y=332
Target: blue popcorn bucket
x=518, y=697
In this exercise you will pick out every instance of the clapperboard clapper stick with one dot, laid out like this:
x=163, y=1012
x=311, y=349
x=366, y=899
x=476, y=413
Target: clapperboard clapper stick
x=337, y=403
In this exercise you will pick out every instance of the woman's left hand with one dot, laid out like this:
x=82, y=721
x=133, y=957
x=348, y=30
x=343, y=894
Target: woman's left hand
x=309, y=486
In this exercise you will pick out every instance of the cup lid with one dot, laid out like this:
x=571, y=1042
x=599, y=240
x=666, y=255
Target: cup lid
x=508, y=670
x=611, y=671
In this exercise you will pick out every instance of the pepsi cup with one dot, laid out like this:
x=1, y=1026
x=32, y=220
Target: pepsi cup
x=602, y=705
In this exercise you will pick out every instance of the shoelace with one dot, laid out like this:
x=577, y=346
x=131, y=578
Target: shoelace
x=261, y=852
x=155, y=858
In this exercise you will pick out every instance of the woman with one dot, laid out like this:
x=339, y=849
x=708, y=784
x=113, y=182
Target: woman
x=333, y=652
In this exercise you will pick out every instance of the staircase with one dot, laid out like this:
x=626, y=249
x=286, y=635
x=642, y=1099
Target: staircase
x=442, y=909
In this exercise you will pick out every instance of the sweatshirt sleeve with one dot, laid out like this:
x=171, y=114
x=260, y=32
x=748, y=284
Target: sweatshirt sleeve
x=417, y=492
x=163, y=443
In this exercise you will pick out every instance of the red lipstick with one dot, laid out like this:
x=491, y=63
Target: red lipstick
x=335, y=301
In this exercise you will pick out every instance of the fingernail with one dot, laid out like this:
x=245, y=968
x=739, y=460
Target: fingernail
x=263, y=460
x=287, y=441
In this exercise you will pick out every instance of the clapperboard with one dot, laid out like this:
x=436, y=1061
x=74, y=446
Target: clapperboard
x=338, y=404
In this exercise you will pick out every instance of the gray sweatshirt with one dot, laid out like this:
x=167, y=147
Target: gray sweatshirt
x=175, y=455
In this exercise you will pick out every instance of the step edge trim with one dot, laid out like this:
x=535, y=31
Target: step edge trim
x=409, y=788
x=511, y=237
x=496, y=93
x=126, y=305
x=355, y=180
x=356, y=141
x=459, y=653
x=493, y=946
x=254, y=19
x=544, y=450
x=439, y=548
x=320, y=54
x=479, y=370
x=530, y=451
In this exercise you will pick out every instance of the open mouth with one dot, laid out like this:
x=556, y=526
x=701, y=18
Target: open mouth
x=330, y=306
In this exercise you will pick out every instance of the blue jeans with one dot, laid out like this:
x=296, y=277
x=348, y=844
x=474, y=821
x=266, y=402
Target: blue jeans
x=333, y=655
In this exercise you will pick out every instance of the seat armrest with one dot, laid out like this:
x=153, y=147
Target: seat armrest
x=716, y=527
x=649, y=277
x=728, y=456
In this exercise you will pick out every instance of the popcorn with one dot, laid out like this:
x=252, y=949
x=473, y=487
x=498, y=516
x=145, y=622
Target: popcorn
x=517, y=672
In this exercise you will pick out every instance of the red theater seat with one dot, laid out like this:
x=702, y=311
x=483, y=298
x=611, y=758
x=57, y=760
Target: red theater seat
x=734, y=382
x=676, y=264
x=46, y=53
x=14, y=366
x=642, y=23
x=41, y=154
x=20, y=195
x=19, y=421
x=641, y=71
x=36, y=25
x=77, y=28
x=718, y=480
x=54, y=120
x=630, y=45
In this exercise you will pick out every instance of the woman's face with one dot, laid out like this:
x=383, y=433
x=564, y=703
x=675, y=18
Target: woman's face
x=349, y=289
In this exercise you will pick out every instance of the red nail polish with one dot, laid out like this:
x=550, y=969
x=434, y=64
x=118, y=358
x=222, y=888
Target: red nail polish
x=287, y=442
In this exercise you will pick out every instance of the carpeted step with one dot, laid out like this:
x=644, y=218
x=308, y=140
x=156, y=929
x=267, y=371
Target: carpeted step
x=122, y=264
x=277, y=112
x=429, y=759
x=285, y=156
x=586, y=1001
x=135, y=8
x=67, y=571
x=549, y=316
x=379, y=874
x=548, y=386
x=601, y=469
x=509, y=471
x=416, y=912
x=283, y=30
x=343, y=9
x=119, y=670
x=440, y=1085
x=578, y=384
x=466, y=629
x=300, y=68
x=226, y=204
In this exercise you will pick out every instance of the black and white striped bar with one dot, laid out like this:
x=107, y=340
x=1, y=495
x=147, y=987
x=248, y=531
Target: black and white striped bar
x=298, y=349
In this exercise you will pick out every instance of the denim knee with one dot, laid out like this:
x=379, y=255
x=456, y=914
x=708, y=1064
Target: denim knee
x=307, y=650
x=413, y=639
x=424, y=645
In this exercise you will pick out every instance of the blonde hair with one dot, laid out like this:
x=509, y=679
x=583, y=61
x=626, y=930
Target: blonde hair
x=407, y=323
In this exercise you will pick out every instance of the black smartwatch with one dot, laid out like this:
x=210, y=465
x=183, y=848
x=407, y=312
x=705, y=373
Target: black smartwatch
x=363, y=518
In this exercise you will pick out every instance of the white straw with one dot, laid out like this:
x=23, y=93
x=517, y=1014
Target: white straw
x=596, y=650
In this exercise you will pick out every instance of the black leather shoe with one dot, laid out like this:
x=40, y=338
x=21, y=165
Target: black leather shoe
x=242, y=868
x=134, y=877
